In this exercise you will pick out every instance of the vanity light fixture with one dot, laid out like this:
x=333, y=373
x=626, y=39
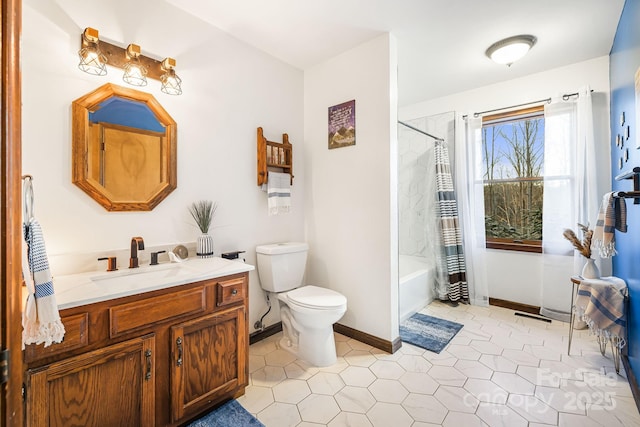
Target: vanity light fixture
x=134, y=72
x=92, y=60
x=171, y=83
x=96, y=54
x=509, y=50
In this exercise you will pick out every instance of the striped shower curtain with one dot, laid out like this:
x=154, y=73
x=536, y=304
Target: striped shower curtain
x=451, y=266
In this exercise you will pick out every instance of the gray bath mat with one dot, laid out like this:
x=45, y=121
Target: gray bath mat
x=231, y=414
x=430, y=333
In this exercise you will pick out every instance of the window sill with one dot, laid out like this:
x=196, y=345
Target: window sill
x=531, y=247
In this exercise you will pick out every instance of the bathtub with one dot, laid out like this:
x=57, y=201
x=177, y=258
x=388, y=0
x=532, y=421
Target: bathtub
x=415, y=285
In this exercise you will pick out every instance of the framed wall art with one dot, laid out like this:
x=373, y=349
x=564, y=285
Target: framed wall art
x=342, y=124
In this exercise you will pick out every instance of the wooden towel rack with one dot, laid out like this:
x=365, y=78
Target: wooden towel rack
x=635, y=194
x=274, y=155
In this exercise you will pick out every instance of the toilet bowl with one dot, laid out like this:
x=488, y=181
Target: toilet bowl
x=307, y=312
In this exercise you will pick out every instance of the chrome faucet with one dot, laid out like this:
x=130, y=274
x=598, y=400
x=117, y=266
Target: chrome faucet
x=136, y=244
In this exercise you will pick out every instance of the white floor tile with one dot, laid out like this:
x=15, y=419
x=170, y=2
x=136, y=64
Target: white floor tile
x=387, y=369
x=496, y=415
x=388, y=391
x=357, y=376
x=355, y=399
x=317, y=408
x=389, y=414
x=326, y=383
x=456, y=399
x=499, y=370
x=291, y=391
x=425, y=408
x=280, y=415
x=348, y=419
x=513, y=383
x=473, y=369
x=457, y=419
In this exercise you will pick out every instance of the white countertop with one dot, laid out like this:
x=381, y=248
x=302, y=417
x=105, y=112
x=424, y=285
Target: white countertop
x=96, y=286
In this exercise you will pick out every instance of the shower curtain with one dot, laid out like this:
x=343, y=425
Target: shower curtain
x=451, y=280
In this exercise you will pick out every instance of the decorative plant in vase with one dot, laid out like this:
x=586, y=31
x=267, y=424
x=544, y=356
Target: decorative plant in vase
x=202, y=212
x=590, y=269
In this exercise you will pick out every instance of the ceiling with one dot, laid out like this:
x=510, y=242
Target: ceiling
x=441, y=43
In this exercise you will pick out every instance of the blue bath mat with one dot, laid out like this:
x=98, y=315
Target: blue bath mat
x=428, y=332
x=231, y=414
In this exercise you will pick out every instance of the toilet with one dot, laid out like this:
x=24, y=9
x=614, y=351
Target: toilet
x=307, y=312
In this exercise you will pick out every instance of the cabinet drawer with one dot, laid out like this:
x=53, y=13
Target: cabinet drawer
x=230, y=291
x=76, y=335
x=140, y=314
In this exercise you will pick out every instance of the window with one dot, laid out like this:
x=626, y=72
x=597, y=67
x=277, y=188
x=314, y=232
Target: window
x=513, y=168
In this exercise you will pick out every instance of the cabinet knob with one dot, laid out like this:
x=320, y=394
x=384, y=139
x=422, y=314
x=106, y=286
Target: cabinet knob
x=234, y=292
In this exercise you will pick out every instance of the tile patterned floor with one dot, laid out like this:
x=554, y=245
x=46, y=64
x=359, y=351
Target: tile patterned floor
x=499, y=370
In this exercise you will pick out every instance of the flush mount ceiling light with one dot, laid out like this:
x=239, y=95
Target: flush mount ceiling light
x=171, y=83
x=92, y=60
x=511, y=49
x=96, y=54
x=134, y=72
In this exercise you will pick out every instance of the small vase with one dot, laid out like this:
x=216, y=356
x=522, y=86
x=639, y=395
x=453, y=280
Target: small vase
x=204, y=247
x=590, y=270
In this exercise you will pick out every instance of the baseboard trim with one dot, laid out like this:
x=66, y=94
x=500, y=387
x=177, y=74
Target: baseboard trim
x=384, y=345
x=379, y=343
x=265, y=333
x=633, y=383
x=532, y=309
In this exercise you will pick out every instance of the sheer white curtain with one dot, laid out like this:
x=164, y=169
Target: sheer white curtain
x=470, y=191
x=572, y=192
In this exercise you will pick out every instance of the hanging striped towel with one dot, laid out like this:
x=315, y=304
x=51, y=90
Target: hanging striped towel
x=40, y=319
x=601, y=303
x=612, y=216
x=279, y=193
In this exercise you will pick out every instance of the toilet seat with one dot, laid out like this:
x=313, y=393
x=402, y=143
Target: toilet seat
x=315, y=297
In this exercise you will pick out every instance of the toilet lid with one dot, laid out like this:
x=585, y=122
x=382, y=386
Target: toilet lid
x=316, y=297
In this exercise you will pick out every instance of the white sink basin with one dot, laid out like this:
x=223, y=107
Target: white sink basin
x=148, y=275
x=85, y=288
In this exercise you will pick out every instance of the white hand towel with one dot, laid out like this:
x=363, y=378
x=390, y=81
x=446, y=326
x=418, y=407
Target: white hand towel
x=40, y=319
x=279, y=193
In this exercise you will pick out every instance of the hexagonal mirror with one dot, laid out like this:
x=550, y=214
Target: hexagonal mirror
x=124, y=148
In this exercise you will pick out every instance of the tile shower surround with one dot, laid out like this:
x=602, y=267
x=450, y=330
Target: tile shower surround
x=416, y=183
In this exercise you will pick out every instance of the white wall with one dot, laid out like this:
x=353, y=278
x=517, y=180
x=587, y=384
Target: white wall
x=518, y=276
x=229, y=90
x=351, y=192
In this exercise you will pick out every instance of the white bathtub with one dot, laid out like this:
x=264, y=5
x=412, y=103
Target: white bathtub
x=415, y=285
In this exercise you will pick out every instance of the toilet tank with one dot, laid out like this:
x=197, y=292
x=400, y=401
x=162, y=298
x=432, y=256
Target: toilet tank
x=281, y=265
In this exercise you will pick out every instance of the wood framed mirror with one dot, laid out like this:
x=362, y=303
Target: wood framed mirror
x=124, y=148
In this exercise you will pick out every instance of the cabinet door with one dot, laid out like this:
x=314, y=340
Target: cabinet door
x=112, y=386
x=209, y=361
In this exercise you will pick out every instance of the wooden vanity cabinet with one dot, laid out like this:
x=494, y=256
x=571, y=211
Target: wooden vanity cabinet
x=161, y=358
x=85, y=390
x=199, y=375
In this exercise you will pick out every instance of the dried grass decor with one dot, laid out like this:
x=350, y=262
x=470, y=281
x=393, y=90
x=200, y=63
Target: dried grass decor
x=584, y=246
x=202, y=212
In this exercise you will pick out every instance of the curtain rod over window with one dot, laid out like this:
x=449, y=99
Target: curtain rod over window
x=421, y=131
x=565, y=97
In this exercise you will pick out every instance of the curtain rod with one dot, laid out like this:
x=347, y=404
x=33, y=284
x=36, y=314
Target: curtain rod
x=421, y=131
x=565, y=97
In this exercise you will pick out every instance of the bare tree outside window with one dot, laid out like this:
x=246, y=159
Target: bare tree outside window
x=513, y=159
